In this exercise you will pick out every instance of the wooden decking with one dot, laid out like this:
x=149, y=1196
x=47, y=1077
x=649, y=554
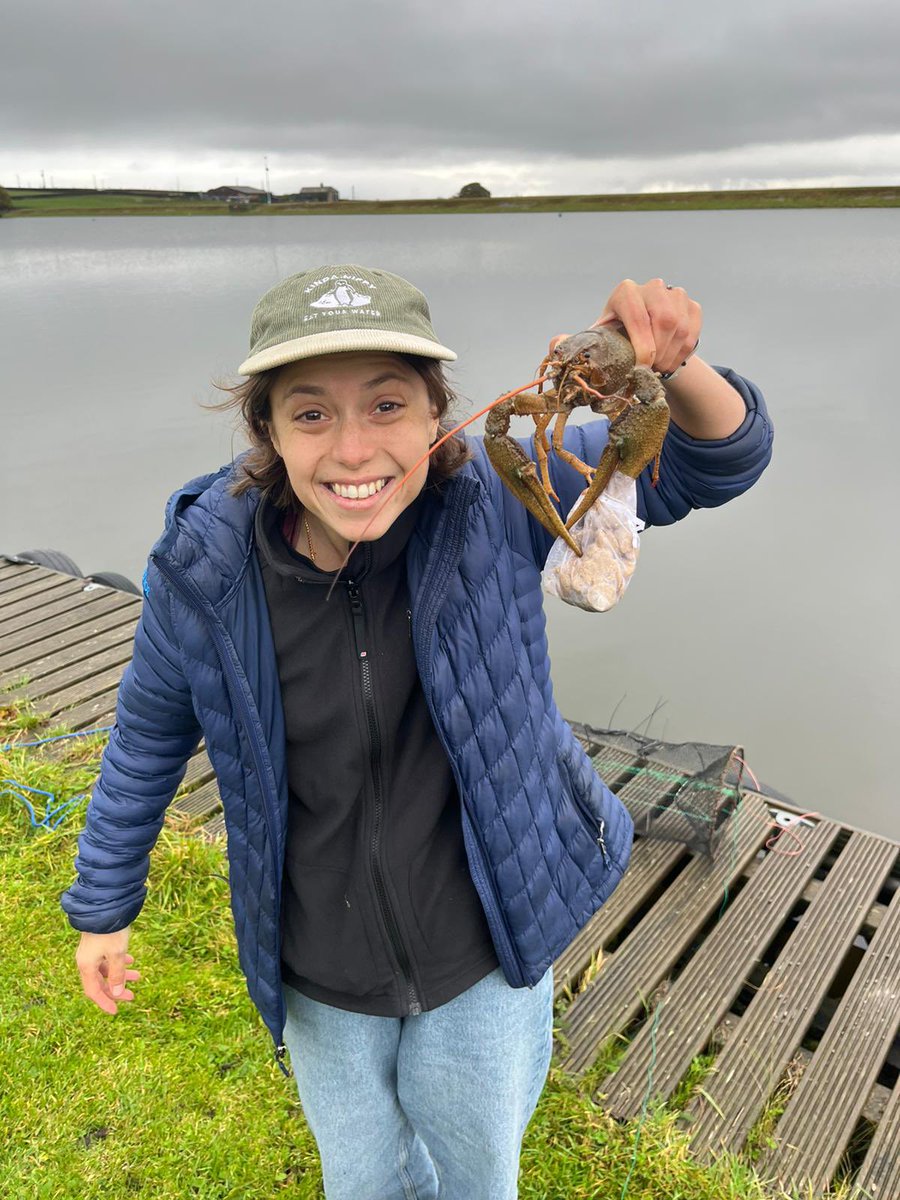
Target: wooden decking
x=778, y=961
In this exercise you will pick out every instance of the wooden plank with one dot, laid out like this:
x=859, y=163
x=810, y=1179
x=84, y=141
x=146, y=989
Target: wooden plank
x=71, y=616
x=876, y=1102
x=822, y=1113
x=14, y=576
x=873, y=917
x=199, y=769
x=13, y=662
x=750, y=1066
x=214, y=829
x=879, y=1176
x=713, y=978
x=651, y=862
x=85, y=689
x=36, y=621
x=99, y=711
x=651, y=949
x=45, y=689
x=41, y=588
x=43, y=665
x=38, y=597
x=204, y=800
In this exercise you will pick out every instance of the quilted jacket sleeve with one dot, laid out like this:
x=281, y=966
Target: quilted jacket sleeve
x=693, y=473
x=155, y=733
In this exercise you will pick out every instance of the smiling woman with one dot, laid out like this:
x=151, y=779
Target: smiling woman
x=348, y=428
x=294, y=413
x=414, y=833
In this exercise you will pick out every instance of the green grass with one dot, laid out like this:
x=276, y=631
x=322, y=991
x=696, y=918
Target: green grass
x=178, y=1096
x=96, y=204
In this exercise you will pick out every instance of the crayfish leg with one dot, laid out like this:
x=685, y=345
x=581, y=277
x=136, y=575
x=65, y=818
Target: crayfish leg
x=566, y=455
x=542, y=448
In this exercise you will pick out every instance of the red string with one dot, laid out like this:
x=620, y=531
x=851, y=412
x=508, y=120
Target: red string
x=782, y=830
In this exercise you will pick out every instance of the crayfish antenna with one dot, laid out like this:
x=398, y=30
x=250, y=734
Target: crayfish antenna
x=428, y=453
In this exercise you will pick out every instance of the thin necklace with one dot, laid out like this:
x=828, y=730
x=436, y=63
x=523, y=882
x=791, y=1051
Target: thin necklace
x=312, y=553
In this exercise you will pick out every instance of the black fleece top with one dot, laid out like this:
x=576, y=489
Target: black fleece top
x=379, y=912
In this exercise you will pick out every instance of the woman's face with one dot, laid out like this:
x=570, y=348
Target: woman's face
x=346, y=424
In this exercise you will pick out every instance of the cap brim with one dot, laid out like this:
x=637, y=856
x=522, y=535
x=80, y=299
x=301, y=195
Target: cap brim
x=343, y=341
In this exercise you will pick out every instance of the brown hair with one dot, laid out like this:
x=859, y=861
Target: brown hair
x=263, y=467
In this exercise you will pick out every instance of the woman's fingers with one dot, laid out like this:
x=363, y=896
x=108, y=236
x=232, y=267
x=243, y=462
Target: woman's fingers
x=103, y=964
x=626, y=304
x=663, y=323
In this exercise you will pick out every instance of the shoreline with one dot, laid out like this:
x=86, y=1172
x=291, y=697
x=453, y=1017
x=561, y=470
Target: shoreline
x=89, y=203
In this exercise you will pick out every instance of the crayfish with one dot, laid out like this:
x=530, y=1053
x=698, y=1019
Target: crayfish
x=595, y=368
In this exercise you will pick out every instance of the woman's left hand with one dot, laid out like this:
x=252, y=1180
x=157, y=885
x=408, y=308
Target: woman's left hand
x=662, y=323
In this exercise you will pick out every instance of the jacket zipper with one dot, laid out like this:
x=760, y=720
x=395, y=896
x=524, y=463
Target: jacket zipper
x=437, y=578
x=368, y=693
x=260, y=756
x=597, y=832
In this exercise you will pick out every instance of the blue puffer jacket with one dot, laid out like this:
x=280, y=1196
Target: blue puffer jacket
x=547, y=841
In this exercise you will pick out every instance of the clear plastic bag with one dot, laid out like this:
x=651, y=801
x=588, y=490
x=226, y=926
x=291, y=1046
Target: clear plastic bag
x=608, y=536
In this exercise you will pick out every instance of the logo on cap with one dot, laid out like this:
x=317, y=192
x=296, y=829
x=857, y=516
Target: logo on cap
x=342, y=295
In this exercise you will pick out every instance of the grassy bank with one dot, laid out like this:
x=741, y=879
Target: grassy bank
x=122, y=204
x=177, y=1096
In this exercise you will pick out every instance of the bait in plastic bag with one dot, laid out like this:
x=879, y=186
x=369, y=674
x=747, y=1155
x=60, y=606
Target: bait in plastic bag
x=608, y=536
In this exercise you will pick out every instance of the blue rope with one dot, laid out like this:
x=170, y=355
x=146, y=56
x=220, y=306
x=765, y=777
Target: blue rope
x=55, y=813
x=61, y=737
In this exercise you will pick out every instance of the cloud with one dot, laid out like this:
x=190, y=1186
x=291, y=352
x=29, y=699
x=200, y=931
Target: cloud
x=396, y=94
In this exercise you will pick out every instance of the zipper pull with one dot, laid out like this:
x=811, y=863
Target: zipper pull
x=409, y=622
x=280, y=1051
x=602, y=843
x=356, y=609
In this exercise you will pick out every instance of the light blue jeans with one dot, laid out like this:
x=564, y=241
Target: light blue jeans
x=416, y=1108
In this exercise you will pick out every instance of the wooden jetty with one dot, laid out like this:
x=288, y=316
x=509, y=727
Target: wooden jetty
x=777, y=958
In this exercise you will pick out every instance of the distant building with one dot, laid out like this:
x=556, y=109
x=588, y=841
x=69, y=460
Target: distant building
x=320, y=194
x=250, y=194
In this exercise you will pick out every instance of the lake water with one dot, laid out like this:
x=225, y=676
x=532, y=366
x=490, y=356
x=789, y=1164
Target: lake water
x=769, y=622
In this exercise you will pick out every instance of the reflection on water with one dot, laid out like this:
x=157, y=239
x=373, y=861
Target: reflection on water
x=765, y=622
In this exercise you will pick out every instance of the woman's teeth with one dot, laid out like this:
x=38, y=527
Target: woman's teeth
x=362, y=491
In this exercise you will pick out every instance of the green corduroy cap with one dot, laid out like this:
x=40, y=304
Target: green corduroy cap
x=332, y=310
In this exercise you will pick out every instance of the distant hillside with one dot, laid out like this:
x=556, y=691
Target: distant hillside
x=88, y=203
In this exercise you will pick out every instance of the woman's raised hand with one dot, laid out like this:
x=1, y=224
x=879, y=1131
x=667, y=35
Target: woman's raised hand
x=662, y=323
x=103, y=961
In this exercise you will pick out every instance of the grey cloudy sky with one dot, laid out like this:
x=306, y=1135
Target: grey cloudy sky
x=415, y=99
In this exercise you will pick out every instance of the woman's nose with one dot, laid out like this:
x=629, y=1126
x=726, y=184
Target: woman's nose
x=353, y=445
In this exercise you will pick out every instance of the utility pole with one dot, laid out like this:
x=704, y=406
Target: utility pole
x=43, y=180
x=268, y=193
x=94, y=177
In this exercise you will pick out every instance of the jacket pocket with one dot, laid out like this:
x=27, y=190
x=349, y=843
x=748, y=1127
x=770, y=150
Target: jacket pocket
x=594, y=823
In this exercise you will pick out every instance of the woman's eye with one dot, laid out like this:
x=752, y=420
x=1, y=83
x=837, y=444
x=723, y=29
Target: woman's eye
x=388, y=406
x=310, y=417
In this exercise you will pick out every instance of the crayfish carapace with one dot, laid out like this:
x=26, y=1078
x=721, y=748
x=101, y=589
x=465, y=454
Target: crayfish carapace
x=595, y=368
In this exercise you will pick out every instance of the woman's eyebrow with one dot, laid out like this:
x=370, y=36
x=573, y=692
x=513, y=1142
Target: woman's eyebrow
x=304, y=389
x=309, y=389
x=384, y=378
